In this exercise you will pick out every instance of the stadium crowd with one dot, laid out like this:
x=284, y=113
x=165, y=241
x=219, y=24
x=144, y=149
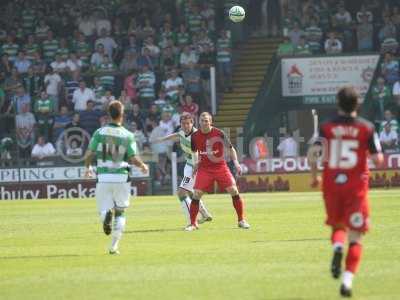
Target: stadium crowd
x=313, y=27
x=63, y=62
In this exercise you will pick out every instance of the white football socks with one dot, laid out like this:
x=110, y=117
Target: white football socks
x=203, y=210
x=185, y=204
x=337, y=246
x=348, y=279
x=118, y=229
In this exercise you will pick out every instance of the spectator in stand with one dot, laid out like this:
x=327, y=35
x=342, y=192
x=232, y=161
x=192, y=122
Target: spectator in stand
x=152, y=117
x=60, y=122
x=129, y=62
x=396, y=91
x=59, y=66
x=10, y=48
x=137, y=116
x=382, y=98
x=342, y=19
x=31, y=47
x=183, y=36
x=206, y=60
x=224, y=60
x=21, y=63
x=154, y=50
x=39, y=63
x=110, y=46
x=19, y=99
x=25, y=131
x=332, y=44
x=87, y=25
x=187, y=56
x=126, y=101
x=172, y=85
x=71, y=84
x=286, y=48
x=365, y=32
x=302, y=48
x=97, y=58
x=145, y=84
x=73, y=149
x=44, y=111
x=33, y=82
x=63, y=49
x=168, y=60
x=389, y=138
x=314, y=35
x=140, y=138
x=130, y=86
x=5, y=67
x=390, y=69
x=189, y=106
x=388, y=118
x=191, y=77
x=364, y=13
x=82, y=49
x=41, y=30
x=74, y=63
x=105, y=100
x=387, y=36
x=50, y=47
x=102, y=23
x=43, y=150
x=106, y=72
x=89, y=118
x=162, y=100
x=131, y=44
x=295, y=34
x=53, y=84
x=81, y=96
x=145, y=59
x=288, y=146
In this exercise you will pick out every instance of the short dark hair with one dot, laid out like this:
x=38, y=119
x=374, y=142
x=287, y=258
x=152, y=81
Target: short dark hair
x=186, y=116
x=347, y=99
x=115, y=109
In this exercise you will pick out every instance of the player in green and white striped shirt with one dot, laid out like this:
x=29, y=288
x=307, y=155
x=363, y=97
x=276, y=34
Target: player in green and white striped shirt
x=115, y=149
x=186, y=186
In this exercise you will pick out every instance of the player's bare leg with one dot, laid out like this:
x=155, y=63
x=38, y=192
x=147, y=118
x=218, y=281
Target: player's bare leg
x=194, y=210
x=338, y=238
x=352, y=262
x=238, y=204
x=118, y=229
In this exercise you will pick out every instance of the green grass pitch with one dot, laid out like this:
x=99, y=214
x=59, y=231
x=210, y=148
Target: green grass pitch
x=56, y=250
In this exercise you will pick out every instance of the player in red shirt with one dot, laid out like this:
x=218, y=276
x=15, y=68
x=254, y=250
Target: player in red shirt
x=346, y=141
x=210, y=143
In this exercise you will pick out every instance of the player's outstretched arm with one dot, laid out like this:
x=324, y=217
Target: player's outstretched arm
x=88, y=164
x=171, y=137
x=136, y=161
x=377, y=158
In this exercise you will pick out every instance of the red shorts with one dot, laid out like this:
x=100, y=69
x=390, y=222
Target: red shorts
x=205, y=179
x=347, y=207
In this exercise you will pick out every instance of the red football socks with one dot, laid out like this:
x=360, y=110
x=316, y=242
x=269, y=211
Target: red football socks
x=238, y=205
x=338, y=237
x=194, y=210
x=353, y=257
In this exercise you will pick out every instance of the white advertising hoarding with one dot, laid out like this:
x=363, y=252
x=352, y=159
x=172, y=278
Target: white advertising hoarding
x=322, y=77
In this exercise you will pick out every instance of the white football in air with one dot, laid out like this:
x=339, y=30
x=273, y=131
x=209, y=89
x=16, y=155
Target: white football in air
x=237, y=14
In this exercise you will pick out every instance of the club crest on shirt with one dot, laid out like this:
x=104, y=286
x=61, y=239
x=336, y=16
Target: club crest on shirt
x=357, y=220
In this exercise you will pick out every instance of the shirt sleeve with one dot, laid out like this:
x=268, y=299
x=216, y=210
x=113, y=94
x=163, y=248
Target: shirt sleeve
x=374, y=145
x=132, y=147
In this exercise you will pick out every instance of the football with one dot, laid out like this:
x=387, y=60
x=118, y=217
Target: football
x=237, y=14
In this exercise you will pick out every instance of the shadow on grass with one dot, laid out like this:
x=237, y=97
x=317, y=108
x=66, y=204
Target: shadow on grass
x=294, y=240
x=40, y=256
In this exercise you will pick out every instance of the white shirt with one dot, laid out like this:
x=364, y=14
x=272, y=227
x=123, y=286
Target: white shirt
x=173, y=83
x=109, y=45
x=385, y=137
x=87, y=27
x=43, y=151
x=103, y=24
x=288, y=147
x=53, y=81
x=74, y=65
x=58, y=66
x=187, y=58
x=333, y=46
x=80, y=98
x=396, y=89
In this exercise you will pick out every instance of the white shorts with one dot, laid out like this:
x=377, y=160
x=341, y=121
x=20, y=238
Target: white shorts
x=188, y=179
x=112, y=194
